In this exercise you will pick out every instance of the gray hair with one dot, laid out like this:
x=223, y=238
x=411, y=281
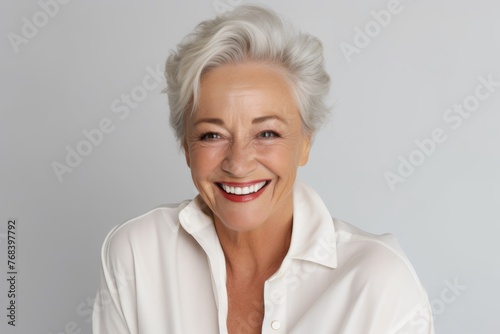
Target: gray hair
x=248, y=34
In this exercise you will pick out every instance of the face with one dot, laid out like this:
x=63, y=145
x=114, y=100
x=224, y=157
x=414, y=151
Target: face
x=244, y=144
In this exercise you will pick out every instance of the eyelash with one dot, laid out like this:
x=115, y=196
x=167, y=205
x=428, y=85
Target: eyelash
x=206, y=136
x=274, y=134
x=266, y=134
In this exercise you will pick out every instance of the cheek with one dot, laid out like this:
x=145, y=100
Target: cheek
x=205, y=160
x=282, y=158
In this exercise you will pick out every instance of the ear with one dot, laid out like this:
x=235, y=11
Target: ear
x=305, y=149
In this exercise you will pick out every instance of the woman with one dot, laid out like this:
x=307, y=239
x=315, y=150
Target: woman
x=255, y=251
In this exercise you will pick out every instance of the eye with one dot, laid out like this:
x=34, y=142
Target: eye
x=210, y=136
x=268, y=134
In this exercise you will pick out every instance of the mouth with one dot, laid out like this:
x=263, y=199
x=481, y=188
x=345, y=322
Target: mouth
x=242, y=192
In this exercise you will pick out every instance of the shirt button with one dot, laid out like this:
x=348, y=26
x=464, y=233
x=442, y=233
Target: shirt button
x=275, y=325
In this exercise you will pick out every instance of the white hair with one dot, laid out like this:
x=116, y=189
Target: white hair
x=248, y=34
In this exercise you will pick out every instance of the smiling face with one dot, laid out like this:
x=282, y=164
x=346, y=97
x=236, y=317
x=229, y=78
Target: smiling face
x=244, y=144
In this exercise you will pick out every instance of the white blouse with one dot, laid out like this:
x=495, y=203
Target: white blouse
x=164, y=272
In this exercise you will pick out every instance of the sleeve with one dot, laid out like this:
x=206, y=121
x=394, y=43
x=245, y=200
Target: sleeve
x=114, y=306
x=416, y=311
x=403, y=302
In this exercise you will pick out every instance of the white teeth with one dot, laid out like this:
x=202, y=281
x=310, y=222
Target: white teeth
x=245, y=190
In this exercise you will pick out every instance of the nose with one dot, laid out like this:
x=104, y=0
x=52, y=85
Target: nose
x=240, y=159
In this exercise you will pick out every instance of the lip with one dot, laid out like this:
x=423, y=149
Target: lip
x=242, y=198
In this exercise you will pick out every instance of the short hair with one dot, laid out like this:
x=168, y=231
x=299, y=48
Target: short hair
x=248, y=34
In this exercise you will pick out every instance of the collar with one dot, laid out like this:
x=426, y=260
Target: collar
x=313, y=233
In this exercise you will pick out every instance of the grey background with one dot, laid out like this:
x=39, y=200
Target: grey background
x=393, y=92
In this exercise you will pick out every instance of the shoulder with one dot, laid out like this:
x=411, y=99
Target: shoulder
x=128, y=237
x=382, y=275
x=377, y=259
x=350, y=234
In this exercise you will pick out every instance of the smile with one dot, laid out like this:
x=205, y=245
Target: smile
x=242, y=192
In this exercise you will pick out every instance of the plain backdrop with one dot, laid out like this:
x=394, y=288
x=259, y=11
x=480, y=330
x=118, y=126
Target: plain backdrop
x=67, y=70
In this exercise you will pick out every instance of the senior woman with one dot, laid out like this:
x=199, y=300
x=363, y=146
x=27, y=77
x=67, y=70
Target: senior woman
x=255, y=251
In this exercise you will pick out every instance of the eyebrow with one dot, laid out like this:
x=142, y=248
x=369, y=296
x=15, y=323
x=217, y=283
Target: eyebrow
x=216, y=121
x=258, y=120
x=263, y=119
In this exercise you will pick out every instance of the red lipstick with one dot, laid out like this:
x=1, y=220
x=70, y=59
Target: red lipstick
x=242, y=198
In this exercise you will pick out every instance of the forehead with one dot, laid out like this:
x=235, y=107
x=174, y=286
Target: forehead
x=249, y=87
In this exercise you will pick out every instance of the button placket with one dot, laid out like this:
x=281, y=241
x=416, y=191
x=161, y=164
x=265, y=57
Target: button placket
x=275, y=306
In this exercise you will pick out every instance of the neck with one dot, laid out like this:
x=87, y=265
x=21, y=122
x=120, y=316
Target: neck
x=255, y=254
